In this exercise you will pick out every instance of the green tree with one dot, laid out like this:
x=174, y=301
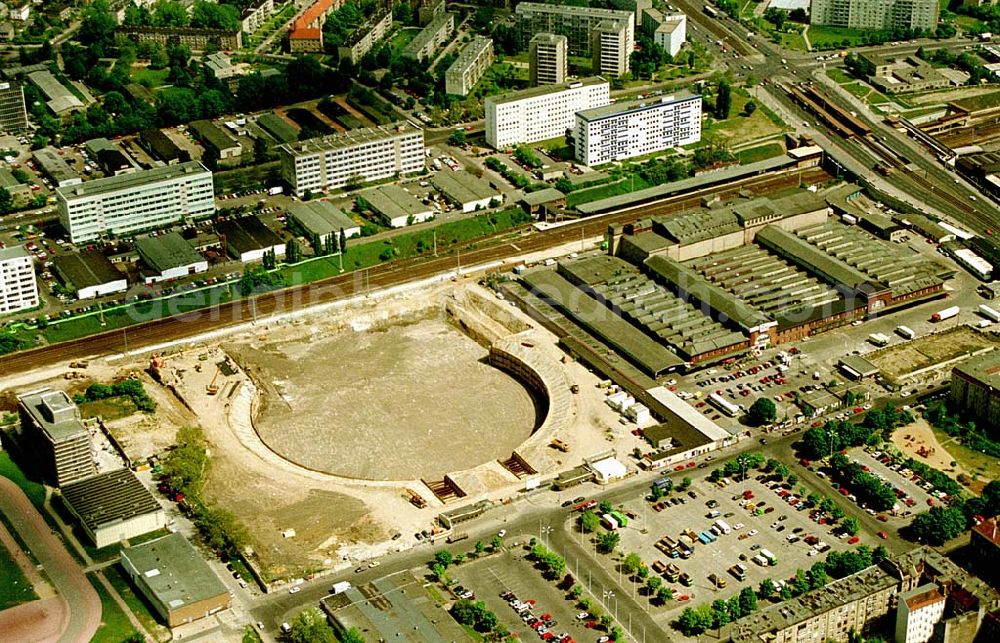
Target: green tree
x=792, y=480
x=723, y=101
x=750, y=108
x=352, y=635
x=402, y=13
x=457, y=138
x=817, y=575
x=480, y=548
x=938, y=525
x=444, y=558
x=766, y=588
x=653, y=583
x=496, y=543
x=605, y=507
x=632, y=563
x=309, y=626
x=748, y=600
x=440, y=572
x=850, y=525
x=589, y=521
x=607, y=541
x=762, y=411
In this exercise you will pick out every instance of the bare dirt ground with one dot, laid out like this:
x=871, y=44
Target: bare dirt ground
x=411, y=400
x=918, y=438
x=900, y=360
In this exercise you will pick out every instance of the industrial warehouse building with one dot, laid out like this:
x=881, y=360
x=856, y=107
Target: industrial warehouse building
x=113, y=506
x=334, y=161
x=541, y=113
x=52, y=431
x=248, y=239
x=175, y=579
x=397, y=206
x=89, y=274
x=320, y=218
x=636, y=128
x=54, y=166
x=122, y=205
x=467, y=191
x=726, y=279
x=169, y=256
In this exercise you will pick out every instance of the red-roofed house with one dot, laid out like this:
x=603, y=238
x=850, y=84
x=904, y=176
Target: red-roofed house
x=986, y=542
x=307, y=32
x=917, y=613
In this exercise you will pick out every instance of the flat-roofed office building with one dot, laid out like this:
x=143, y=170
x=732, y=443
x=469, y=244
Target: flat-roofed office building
x=123, y=205
x=50, y=422
x=335, y=161
x=113, y=506
x=18, y=286
x=541, y=113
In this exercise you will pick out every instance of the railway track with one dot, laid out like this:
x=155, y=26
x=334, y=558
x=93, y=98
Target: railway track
x=361, y=282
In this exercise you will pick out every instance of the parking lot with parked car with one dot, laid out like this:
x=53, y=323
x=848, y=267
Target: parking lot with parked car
x=526, y=603
x=761, y=520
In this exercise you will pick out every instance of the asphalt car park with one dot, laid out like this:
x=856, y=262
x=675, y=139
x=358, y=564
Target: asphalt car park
x=896, y=478
x=511, y=572
x=758, y=518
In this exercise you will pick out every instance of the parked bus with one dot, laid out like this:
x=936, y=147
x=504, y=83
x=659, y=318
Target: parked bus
x=723, y=526
x=609, y=522
x=723, y=405
x=739, y=572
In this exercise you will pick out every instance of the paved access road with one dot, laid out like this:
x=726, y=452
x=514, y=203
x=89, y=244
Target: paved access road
x=75, y=591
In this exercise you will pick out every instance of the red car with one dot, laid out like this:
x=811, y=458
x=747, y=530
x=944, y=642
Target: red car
x=692, y=464
x=883, y=535
x=883, y=518
x=679, y=467
x=930, y=502
x=853, y=541
x=683, y=597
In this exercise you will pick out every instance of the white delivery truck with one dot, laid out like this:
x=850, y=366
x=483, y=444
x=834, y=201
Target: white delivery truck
x=340, y=588
x=989, y=313
x=905, y=331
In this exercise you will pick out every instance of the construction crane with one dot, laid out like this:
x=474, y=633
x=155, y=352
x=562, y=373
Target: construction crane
x=213, y=388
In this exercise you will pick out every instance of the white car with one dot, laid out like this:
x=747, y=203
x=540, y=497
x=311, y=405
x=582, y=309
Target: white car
x=502, y=533
x=752, y=532
x=738, y=526
x=295, y=590
x=583, y=616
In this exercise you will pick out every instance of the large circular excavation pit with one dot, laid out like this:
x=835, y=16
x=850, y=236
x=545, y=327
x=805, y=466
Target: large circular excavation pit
x=412, y=400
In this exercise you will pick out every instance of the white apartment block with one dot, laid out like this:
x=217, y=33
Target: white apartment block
x=917, y=612
x=332, y=162
x=548, y=59
x=256, y=14
x=365, y=37
x=18, y=289
x=612, y=44
x=626, y=130
x=469, y=67
x=579, y=25
x=668, y=31
x=129, y=203
x=431, y=37
x=875, y=14
x=541, y=113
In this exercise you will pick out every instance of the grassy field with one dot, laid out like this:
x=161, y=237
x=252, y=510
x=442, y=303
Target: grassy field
x=821, y=37
x=34, y=490
x=838, y=75
x=150, y=77
x=608, y=190
x=111, y=408
x=793, y=41
x=980, y=464
x=136, y=603
x=738, y=129
x=14, y=587
x=760, y=153
x=403, y=37
x=115, y=626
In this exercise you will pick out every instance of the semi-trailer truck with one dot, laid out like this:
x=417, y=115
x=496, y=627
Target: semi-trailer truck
x=989, y=313
x=947, y=313
x=879, y=339
x=905, y=331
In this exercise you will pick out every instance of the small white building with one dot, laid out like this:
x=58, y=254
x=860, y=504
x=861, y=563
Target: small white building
x=607, y=469
x=466, y=191
x=169, y=256
x=89, y=274
x=918, y=611
x=397, y=205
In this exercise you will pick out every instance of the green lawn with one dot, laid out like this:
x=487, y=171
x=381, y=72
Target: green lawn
x=793, y=41
x=150, y=77
x=14, y=587
x=115, y=626
x=760, y=153
x=136, y=603
x=34, y=490
x=838, y=75
x=979, y=464
x=111, y=408
x=631, y=184
x=821, y=37
x=403, y=37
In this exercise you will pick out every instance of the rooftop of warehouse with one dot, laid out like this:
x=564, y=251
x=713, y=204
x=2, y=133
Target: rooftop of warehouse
x=699, y=288
x=595, y=269
x=321, y=217
x=174, y=571
x=621, y=107
x=134, y=180
x=543, y=90
x=350, y=138
x=212, y=134
x=109, y=497
x=811, y=257
x=463, y=186
x=85, y=269
x=167, y=251
x=246, y=234
x=985, y=368
x=278, y=127
x=393, y=201
x=546, y=195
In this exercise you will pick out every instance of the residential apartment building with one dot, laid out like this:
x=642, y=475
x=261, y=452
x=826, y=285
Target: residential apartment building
x=469, y=67
x=667, y=30
x=917, y=612
x=52, y=430
x=541, y=113
x=975, y=387
x=625, y=130
x=195, y=39
x=985, y=543
x=548, y=59
x=428, y=10
x=332, y=162
x=256, y=14
x=18, y=288
x=307, y=32
x=13, y=113
x=365, y=37
x=122, y=205
x=606, y=36
x=876, y=14
x=435, y=34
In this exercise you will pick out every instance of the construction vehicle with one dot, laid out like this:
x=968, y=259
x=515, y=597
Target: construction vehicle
x=415, y=499
x=212, y=387
x=80, y=364
x=559, y=445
